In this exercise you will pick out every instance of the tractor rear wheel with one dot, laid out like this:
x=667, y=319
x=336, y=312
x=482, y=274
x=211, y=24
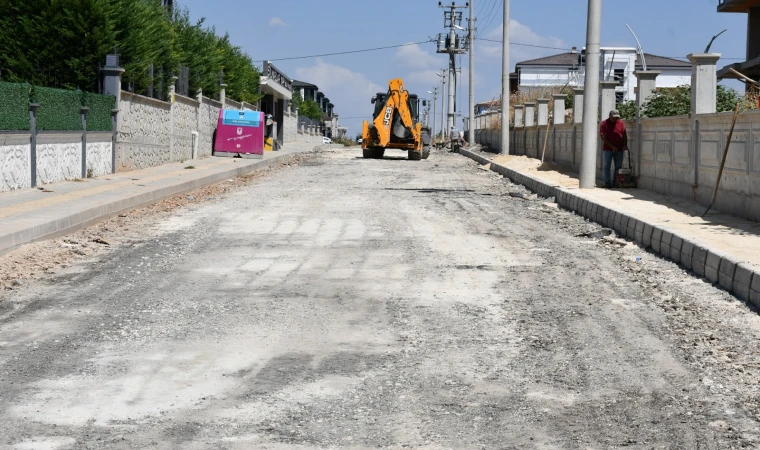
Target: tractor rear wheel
x=425, y=152
x=415, y=155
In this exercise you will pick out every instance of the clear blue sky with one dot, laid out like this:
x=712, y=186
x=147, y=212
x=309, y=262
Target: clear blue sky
x=288, y=28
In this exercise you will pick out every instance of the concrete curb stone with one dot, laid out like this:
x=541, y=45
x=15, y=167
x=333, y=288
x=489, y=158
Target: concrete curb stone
x=81, y=219
x=726, y=272
x=667, y=237
x=616, y=226
x=737, y=277
x=675, y=248
x=631, y=231
x=687, y=250
x=712, y=266
x=647, y=236
x=699, y=260
x=638, y=233
x=754, y=292
x=742, y=281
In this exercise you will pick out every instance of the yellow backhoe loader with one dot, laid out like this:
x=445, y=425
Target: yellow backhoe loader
x=395, y=125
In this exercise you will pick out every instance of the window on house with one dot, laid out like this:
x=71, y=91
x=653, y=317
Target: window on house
x=619, y=97
x=620, y=76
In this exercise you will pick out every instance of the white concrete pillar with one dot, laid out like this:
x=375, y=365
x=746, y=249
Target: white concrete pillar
x=519, y=116
x=646, y=83
x=578, y=106
x=559, y=109
x=530, y=114
x=607, y=98
x=543, y=112
x=199, y=99
x=223, y=96
x=704, y=81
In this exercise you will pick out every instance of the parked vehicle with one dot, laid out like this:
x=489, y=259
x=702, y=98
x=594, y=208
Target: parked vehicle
x=326, y=140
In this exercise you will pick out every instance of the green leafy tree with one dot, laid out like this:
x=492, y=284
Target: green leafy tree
x=307, y=108
x=196, y=47
x=55, y=42
x=677, y=101
x=241, y=76
x=726, y=99
x=627, y=110
x=62, y=43
x=570, y=100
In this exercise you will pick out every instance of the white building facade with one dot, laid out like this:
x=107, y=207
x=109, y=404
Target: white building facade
x=617, y=64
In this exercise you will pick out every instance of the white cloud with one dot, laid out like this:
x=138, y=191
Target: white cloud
x=421, y=64
x=277, y=22
x=520, y=34
x=415, y=58
x=349, y=91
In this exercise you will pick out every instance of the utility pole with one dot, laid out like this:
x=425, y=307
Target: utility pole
x=454, y=45
x=505, y=87
x=471, y=112
x=435, y=100
x=442, y=74
x=591, y=95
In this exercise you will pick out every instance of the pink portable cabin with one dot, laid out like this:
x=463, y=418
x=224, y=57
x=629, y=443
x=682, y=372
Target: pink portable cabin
x=240, y=133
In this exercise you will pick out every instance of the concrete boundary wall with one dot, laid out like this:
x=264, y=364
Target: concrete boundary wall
x=148, y=133
x=678, y=156
x=59, y=157
x=731, y=274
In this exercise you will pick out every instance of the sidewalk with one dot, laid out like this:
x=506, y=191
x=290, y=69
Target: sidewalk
x=32, y=214
x=722, y=248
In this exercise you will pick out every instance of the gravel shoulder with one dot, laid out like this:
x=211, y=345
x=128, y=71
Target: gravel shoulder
x=351, y=303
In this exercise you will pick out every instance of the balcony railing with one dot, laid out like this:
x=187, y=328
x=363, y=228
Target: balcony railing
x=276, y=75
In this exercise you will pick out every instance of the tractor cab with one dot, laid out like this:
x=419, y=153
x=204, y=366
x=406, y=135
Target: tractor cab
x=414, y=105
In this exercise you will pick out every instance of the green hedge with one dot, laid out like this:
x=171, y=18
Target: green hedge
x=14, y=106
x=99, y=118
x=60, y=109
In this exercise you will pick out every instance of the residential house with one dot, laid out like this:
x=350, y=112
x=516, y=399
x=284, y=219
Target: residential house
x=750, y=67
x=306, y=90
x=277, y=90
x=617, y=64
x=493, y=105
x=329, y=123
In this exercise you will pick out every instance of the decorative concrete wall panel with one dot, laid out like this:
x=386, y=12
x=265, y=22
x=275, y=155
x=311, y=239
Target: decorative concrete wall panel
x=14, y=166
x=184, y=122
x=144, y=135
x=98, y=158
x=57, y=162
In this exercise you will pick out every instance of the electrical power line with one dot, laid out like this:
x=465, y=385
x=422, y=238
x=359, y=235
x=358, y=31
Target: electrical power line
x=490, y=17
x=482, y=7
x=524, y=45
x=346, y=52
x=568, y=49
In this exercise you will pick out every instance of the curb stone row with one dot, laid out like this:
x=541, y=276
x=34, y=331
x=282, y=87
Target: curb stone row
x=722, y=269
x=75, y=221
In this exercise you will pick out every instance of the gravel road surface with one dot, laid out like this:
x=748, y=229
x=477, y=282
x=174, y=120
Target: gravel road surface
x=359, y=304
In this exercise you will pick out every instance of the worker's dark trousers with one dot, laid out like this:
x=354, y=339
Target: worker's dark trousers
x=607, y=159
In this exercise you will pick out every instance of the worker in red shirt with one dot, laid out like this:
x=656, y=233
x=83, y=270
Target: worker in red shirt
x=615, y=141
